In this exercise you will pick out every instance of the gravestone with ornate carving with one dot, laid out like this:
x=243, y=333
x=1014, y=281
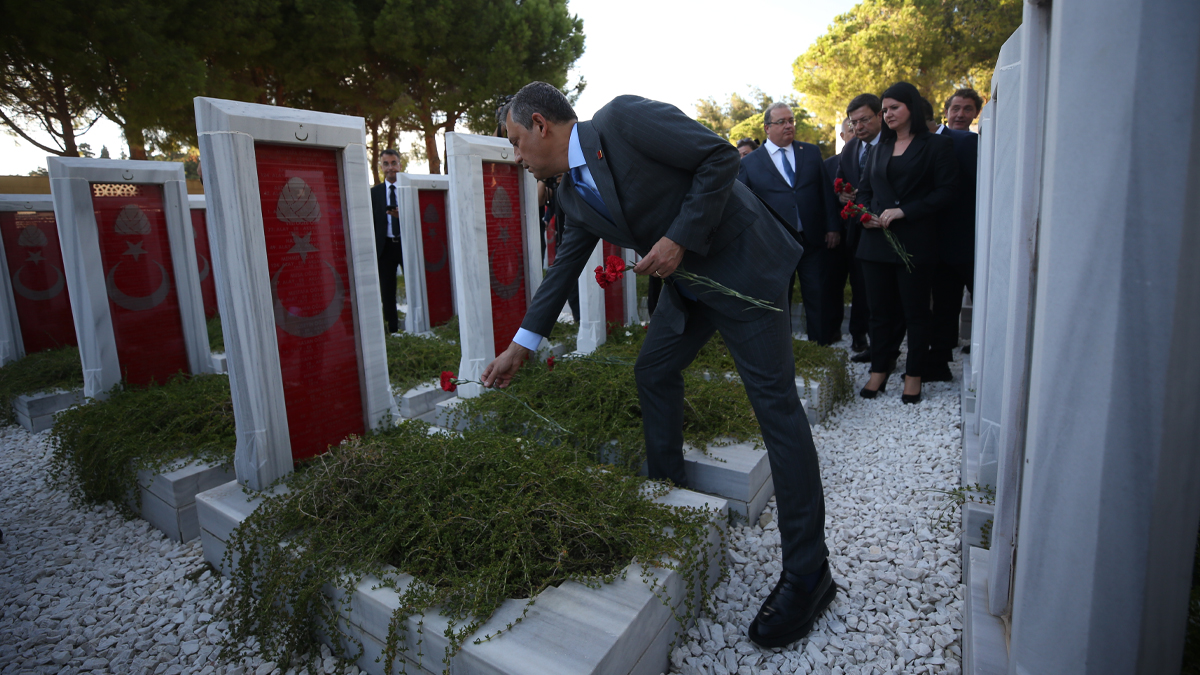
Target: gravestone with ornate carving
x=35, y=305
x=495, y=243
x=293, y=247
x=130, y=262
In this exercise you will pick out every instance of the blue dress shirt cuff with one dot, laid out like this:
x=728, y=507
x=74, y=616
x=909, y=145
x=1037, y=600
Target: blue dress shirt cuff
x=528, y=339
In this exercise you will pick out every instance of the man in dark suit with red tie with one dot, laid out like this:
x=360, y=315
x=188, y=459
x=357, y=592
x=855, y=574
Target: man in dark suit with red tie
x=789, y=176
x=384, y=210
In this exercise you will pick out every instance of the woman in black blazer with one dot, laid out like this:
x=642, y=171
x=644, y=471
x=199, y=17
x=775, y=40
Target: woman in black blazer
x=909, y=179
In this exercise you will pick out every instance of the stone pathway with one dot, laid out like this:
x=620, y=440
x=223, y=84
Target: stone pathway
x=84, y=590
x=902, y=598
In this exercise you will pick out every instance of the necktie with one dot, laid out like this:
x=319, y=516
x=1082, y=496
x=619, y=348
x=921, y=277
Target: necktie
x=589, y=194
x=787, y=167
x=391, y=205
x=862, y=160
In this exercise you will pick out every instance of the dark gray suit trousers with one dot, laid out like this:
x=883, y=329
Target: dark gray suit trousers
x=762, y=350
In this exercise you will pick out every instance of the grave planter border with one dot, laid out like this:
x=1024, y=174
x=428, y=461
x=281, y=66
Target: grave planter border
x=621, y=627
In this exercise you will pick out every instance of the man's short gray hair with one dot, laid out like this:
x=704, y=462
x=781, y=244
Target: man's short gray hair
x=773, y=106
x=539, y=97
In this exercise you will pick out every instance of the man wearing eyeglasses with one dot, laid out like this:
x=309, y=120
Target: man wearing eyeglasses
x=790, y=177
x=866, y=122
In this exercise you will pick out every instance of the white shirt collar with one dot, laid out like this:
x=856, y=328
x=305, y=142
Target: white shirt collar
x=574, y=150
x=875, y=140
x=772, y=148
x=939, y=129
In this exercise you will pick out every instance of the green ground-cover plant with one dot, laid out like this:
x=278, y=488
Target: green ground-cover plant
x=97, y=449
x=216, y=339
x=41, y=371
x=476, y=518
x=413, y=359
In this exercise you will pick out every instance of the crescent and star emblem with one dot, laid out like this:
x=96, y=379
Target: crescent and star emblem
x=28, y=293
x=203, y=270
x=137, y=303
x=502, y=208
x=431, y=216
x=307, y=326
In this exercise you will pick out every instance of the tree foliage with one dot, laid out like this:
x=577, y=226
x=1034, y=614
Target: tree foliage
x=938, y=45
x=419, y=65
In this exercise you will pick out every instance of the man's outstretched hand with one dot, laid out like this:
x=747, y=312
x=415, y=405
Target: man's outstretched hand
x=662, y=260
x=500, y=372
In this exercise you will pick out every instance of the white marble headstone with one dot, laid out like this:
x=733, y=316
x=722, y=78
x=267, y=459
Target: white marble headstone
x=466, y=155
x=409, y=187
x=228, y=132
x=71, y=181
x=12, y=346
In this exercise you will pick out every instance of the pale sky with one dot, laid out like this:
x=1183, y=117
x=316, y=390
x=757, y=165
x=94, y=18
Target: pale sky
x=671, y=51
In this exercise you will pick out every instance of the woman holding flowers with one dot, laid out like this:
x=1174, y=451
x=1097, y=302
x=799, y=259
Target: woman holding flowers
x=909, y=180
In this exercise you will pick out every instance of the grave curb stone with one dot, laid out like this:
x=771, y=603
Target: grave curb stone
x=619, y=628
x=35, y=412
x=168, y=499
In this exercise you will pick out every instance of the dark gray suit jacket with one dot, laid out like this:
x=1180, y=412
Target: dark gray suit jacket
x=662, y=173
x=811, y=204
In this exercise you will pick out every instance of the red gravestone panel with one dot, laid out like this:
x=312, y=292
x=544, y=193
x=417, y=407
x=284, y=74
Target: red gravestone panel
x=38, y=282
x=140, y=279
x=310, y=286
x=208, y=289
x=506, y=249
x=614, y=295
x=438, y=296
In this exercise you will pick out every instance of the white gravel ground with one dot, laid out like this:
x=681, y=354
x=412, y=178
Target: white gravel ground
x=83, y=590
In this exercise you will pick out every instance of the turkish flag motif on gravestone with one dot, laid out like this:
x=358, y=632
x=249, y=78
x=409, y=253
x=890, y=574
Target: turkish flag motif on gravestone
x=506, y=249
x=139, y=276
x=311, y=294
x=38, y=281
x=438, y=296
x=208, y=289
x=614, y=295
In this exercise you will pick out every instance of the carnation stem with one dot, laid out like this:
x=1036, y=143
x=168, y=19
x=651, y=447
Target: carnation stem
x=720, y=288
x=545, y=419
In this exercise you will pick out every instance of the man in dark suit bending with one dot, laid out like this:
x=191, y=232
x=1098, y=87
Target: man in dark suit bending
x=644, y=176
x=384, y=205
x=789, y=176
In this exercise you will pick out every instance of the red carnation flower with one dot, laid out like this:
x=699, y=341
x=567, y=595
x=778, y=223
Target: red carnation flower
x=448, y=381
x=866, y=218
x=550, y=363
x=602, y=277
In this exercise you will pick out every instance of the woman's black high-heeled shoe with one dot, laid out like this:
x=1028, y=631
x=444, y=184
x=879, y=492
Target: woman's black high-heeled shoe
x=910, y=398
x=872, y=393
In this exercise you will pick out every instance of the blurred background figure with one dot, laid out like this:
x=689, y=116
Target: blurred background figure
x=746, y=146
x=962, y=108
x=386, y=214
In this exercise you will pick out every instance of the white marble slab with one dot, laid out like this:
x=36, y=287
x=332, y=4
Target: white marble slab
x=592, y=329
x=421, y=399
x=985, y=644
x=416, y=317
x=168, y=499
x=70, y=183
x=227, y=132
x=465, y=155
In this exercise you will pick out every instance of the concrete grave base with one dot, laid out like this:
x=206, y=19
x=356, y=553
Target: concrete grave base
x=36, y=412
x=169, y=498
x=421, y=399
x=622, y=627
x=985, y=645
x=740, y=473
x=218, y=362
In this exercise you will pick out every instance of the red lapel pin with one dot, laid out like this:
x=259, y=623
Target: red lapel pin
x=599, y=154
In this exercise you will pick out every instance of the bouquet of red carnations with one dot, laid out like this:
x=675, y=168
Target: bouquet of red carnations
x=614, y=270
x=842, y=186
x=853, y=210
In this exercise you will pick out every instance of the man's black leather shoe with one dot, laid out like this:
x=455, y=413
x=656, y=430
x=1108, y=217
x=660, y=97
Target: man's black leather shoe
x=862, y=357
x=859, y=344
x=790, y=611
x=937, y=371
